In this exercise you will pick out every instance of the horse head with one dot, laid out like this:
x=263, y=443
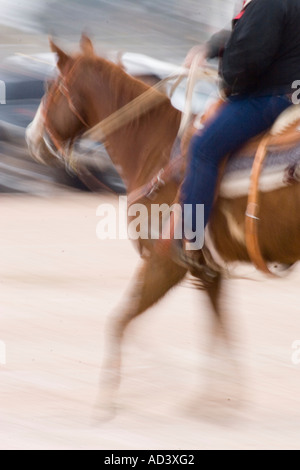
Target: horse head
x=62, y=116
x=89, y=92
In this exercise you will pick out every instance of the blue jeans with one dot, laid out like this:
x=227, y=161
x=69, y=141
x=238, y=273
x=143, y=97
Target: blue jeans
x=240, y=119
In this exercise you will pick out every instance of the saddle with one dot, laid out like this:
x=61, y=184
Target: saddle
x=281, y=163
x=277, y=150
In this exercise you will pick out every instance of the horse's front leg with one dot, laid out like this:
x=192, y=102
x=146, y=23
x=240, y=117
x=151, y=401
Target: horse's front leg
x=153, y=280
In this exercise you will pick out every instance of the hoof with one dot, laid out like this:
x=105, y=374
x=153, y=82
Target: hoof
x=103, y=415
x=104, y=411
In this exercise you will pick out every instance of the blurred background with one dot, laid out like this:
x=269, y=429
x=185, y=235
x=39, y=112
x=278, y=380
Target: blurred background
x=58, y=282
x=164, y=30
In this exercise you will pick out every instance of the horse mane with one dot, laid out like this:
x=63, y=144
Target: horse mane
x=124, y=86
x=157, y=128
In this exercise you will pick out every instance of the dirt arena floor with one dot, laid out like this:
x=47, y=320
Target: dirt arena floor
x=58, y=283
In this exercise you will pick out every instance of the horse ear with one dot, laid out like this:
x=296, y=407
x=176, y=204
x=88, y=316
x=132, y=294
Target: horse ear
x=86, y=45
x=63, y=58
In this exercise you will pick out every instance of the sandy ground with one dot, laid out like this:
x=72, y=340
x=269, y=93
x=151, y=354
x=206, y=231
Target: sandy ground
x=58, y=283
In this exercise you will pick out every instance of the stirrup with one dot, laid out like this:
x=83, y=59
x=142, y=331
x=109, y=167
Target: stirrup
x=195, y=266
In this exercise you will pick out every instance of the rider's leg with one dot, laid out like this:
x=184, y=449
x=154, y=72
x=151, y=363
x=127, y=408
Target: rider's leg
x=240, y=119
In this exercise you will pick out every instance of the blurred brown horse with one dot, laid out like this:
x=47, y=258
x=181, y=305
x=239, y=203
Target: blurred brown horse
x=88, y=90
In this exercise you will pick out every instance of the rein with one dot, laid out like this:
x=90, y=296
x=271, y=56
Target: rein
x=144, y=103
x=122, y=116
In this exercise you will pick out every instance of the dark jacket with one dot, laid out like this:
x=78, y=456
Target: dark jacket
x=261, y=55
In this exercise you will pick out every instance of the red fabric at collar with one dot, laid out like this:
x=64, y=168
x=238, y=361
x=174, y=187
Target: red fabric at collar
x=239, y=15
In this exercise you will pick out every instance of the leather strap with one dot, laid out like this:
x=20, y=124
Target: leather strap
x=164, y=176
x=252, y=213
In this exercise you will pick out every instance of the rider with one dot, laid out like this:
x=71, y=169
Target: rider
x=259, y=61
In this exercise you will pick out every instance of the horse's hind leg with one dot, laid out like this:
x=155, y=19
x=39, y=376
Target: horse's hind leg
x=220, y=328
x=224, y=366
x=153, y=280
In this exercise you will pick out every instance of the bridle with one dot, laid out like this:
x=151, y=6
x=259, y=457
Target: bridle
x=55, y=145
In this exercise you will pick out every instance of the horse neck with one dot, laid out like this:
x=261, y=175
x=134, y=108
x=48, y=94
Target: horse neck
x=141, y=147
